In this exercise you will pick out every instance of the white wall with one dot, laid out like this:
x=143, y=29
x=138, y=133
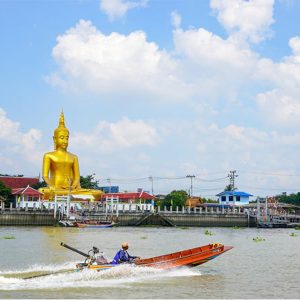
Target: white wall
x=243, y=201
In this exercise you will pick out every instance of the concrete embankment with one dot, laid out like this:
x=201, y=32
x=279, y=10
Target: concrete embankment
x=26, y=218
x=182, y=219
x=203, y=219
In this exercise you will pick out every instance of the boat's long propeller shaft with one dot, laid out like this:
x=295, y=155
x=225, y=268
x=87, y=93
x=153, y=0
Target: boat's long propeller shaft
x=75, y=250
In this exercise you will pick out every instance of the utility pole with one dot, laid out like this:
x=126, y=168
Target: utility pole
x=232, y=176
x=151, y=179
x=191, y=177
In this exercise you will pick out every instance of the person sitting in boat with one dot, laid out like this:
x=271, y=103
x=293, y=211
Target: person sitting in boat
x=123, y=256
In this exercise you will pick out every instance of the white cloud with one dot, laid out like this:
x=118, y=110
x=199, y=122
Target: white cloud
x=294, y=43
x=176, y=19
x=280, y=109
x=284, y=75
x=213, y=67
x=237, y=139
x=209, y=50
x=248, y=149
x=94, y=62
x=111, y=137
x=8, y=127
x=118, y=8
x=245, y=20
x=288, y=71
x=220, y=68
x=280, y=104
x=208, y=69
x=16, y=144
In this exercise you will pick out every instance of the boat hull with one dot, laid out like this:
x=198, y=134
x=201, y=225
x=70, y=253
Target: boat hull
x=186, y=258
x=93, y=225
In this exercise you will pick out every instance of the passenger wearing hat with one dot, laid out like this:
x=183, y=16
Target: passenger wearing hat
x=123, y=256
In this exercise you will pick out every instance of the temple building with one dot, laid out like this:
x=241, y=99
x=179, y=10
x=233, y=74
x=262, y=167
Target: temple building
x=27, y=197
x=22, y=190
x=14, y=182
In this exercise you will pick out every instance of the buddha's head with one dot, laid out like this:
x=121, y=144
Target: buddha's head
x=61, y=134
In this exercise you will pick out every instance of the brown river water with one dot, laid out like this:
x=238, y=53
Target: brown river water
x=268, y=268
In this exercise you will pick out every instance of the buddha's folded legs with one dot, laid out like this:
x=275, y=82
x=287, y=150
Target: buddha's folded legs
x=49, y=194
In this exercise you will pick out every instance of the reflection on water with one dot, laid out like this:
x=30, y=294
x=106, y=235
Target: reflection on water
x=266, y=269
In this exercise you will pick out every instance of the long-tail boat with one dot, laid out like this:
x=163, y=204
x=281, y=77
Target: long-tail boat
x=93, y=224
x=186, y=258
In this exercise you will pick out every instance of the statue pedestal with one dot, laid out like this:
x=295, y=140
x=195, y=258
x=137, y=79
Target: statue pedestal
x=78, y=197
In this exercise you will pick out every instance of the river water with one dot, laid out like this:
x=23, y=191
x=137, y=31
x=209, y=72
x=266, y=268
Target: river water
x=268, y=268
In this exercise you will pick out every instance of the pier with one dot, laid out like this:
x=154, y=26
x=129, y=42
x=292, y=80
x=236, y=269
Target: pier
x=272, y=215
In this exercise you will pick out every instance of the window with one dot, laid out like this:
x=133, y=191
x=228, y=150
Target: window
x=237, y=198
x=223, y=198
x=230, y=198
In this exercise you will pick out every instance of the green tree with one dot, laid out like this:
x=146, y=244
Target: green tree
x=5, y=192
x=89, y=182
x=290, y=199
x=86, y=182
x=210, y=200
x=40, y=184
x=229, y=187
x=19, y=175
x=175, y=198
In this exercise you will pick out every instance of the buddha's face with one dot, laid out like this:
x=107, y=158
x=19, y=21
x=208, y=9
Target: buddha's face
x=61, y=139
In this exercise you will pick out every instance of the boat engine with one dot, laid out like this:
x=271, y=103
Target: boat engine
x=90, y=257
x=99, y=259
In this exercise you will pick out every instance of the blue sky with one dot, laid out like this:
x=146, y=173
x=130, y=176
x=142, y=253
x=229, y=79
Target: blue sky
x=155, y=88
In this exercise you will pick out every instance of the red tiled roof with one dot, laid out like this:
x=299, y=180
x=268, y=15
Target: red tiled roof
x=142, y=195
x=29, y=191
x=18, y=182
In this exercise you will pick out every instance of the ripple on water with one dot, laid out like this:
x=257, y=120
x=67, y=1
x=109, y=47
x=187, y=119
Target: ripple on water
x=270, y=269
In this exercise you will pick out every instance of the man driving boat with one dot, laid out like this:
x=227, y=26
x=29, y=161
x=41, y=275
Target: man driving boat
x=123, y=256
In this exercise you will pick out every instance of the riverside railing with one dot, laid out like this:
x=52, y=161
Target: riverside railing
x=121, y=209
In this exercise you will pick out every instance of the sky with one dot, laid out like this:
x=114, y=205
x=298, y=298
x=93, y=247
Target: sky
x=157, y=89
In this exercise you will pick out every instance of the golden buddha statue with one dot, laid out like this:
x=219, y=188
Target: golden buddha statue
x=61, y=168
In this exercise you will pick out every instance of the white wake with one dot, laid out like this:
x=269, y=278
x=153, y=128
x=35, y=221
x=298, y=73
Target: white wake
x=121, y=276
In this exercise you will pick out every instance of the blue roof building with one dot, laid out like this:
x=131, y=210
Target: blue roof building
x=233, y=198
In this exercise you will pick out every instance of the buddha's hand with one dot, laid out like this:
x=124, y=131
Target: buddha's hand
x=64, y=187
x=75, y=185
